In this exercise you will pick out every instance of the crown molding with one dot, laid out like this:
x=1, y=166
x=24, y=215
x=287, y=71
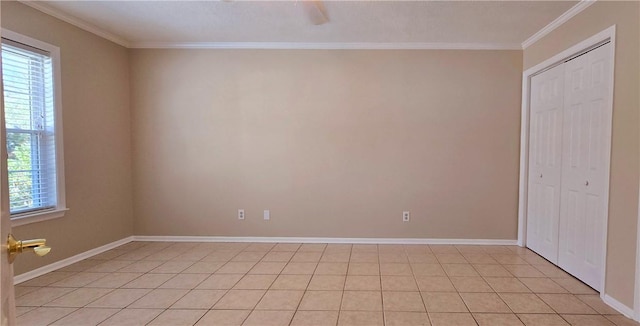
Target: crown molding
x=578, y=8
x=76, y=22
x=265, y=45
x=326, y=46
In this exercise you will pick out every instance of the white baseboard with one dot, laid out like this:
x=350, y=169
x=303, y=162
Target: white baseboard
x=90, y=253
x=492, y=242
x=617, y=305
x=68, y=261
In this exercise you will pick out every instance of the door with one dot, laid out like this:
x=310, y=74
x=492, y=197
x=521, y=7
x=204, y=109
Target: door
x=7, y=304
x=586, y=140
x=545, y=145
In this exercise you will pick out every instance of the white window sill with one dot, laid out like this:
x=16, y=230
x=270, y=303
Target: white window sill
x=38, y=217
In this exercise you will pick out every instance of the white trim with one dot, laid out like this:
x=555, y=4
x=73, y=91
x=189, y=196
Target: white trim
x=636, y=292
x=579, y=7
x=485, y=242
x=607, y=34
x=61, y=203
x=617, y=305
x=608, y=149
x=566, y=16
x=573, y=50
x=37, y=217
x=76, y=22
x=54, y=53
x=263, y=45
x=6, y=33
x=524, y=162
x=326, y=46
x=68, y=261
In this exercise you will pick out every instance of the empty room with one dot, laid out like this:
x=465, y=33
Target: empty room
x=320, y=163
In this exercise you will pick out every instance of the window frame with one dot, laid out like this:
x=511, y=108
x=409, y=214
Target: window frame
x=60, y=208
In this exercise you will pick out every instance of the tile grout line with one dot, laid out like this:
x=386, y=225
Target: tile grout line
x=78, y=308
x=159, y=285
x=238, y=281
x=418, y=286
x=271, y=284
x=225, y=290
x=188, y=290
x=460, y=294
x=306, y=287
x=384, y=313
x=484, y=280
x=121, y=309
x=343, y=286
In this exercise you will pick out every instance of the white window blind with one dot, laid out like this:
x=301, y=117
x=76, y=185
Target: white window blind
x=27, y=74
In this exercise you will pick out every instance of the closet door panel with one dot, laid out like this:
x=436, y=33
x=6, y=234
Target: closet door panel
x=586, y=131
x=545, y=136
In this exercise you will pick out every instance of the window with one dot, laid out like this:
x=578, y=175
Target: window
x=31, y=108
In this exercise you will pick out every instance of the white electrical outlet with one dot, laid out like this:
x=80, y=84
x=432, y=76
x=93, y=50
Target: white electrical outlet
x=405, y=216
x=241, y=214
x=267, y=214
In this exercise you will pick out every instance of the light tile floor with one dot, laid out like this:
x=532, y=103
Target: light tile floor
x=159, y=283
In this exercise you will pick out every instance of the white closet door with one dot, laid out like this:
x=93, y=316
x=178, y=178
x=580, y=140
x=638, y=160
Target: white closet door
x=586, y=143
x=545, y=143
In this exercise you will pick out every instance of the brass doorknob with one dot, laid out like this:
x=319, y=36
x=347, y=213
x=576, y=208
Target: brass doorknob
x=16, y=247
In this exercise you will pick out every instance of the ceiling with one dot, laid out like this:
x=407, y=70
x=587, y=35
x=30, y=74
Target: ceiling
x=166, y=23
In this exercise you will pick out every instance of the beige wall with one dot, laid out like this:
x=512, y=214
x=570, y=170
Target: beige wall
x=625, y=163
x=97, y=138
x=334, y=143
